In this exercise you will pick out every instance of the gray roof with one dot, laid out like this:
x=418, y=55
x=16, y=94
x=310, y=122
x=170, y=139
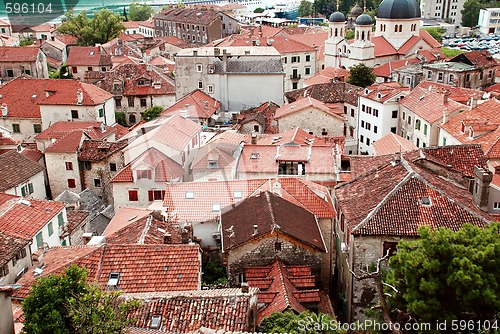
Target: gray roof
x=364, y=20
x=337, y=17
x=399, y=9
x=270, y=66
x=68, y=197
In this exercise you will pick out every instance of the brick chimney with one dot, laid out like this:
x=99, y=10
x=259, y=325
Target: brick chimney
x=481, y=191
x=167, y=238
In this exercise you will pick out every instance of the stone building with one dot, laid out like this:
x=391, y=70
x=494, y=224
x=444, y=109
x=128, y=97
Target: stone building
x=16, y=61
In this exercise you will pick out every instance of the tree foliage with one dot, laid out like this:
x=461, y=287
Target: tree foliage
x=26, y=42
x=259, y=10
x=61, y=73
x=451, y=52
x=436, y=32
x=103, y=27
x=470, y=13
x=60, y=304
x=306, y=8
x=120, y=118
x=361, y=75
x=139, y=12
x=152, y=113
x=289, y=322
x=448, y=275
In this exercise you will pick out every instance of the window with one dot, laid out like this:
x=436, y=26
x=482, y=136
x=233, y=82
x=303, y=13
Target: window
x=362, y=124
x=60, y=219
x=277, y=246
x=51, y=229
x=362, y=138
x=200, y=84
x=308, y=57
x=74, y=114
x=210, y=89
x=112, y=167
x=307, y=70
x=30, y=188
x=130, y=101
x=418, y=142
x=155, y=321
x=4, y=271
x=131, y=118
x=23, y=191
x=143, y=102
x=417, y=124
x=89, y=68
x=440, y=76
x=101, y=112
x=143, y=174
x=39, y=240
x=375, y=129
x=118, y=102
x=429, y=75
x=16, y=128
x=444, y=141
x=389, y=247
x=10, y=73
x=425, y=129
x=291, y=168
x=394, y=114
x=368, y=126
x=352, y=112
x=368, y=141
x=37, y=128
x=199, y=68
x=155, y=195
x=71, y=183
x=133, y=195
x=285, y=60
x=404, y=116
x=393, y=130
x=69, y=165
x=97, y=183
x=375, y=112
x=294, y=85
x=75, y=69
x=496, y=205
x=409, y=120
x=295, y=59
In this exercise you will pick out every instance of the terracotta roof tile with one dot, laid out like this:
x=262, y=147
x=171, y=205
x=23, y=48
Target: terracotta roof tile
x=269, y=210
x=482, y=59
x=332, y=92
x=462, y=158
x=385, y=70
x=187, y=311
x=87, y=56
x=96, y=150
x=382, y=92
x=32, y=153
x=75, y=218
x=15, y=169
x=9, y=246
x=120, y=131
x=392, y=143
x=283, y=292
x=383, y=47
x=142, y=268
x=327, y=74
x=429, y=39
x=196, y=104
x=458, y=94
x=188, y=15
x=302, y=104
x=70, y=143
x=19, y=54
x=24, y=220
x=60, y=129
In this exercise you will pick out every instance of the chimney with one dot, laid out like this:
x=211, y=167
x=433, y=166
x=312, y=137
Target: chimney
x=255, y=229
x=446, y=94
x=254, y=138
x=185, y=236
x=167, y=238
x=481, y=191
x=216, y=52
x=277, y=188
x=244, y=287
x=86, y=237
x=79, y=97
x=143, y=130
x=195, y=53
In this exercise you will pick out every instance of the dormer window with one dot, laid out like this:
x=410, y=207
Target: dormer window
x=212, y=164
x=143, y=82
x=463, y=127
x=113, y=280
x=254, y=156
x=367, y=91
x=379, y=95
x=471, y=133
x=143, y=174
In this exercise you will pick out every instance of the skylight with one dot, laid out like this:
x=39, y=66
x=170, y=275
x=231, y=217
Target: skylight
x=155, y=321
x=189, y=194
x=113, y=279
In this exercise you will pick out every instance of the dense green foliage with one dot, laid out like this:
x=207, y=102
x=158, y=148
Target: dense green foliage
x=436, y=32
x=361, y=75
x=327, y=7
x=25, y=42
x=349, y=34
x=214, y=273
x=120, y=118
x=306, y=8
x=451, y=52
x=305, y=322
x=152, y=113
x=470, y=13
x=103, y=27
x=61, y=73
x=139, y=12
x=259, y=10
x=448, y=275
x=68, y=303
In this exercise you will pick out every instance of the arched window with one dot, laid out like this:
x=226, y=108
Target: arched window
x=368, y=35
x=363, y=35
x=341, y=32
x=396, y=28
x=381, y=27
x=400, y=28
x=336, y=32
x=357, y=34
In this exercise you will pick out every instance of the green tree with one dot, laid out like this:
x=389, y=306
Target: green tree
x=103, y=27
x=139, y=12
x=349, y=34
x=213, y=273
x=451, y=52
x=448, y=275
x=61, y=73
x=67, y=303
x=120, y=118
x=259, y=10
x=436, y=32
x=361, y=75
x=306, y=8
x=305, y=322
x=26, y=42
x=470, y=13
x=152, y=113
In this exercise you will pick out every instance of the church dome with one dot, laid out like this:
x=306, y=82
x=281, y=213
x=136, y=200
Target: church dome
x=337, y=17
x=364, y=20
x=356, y=10
x=398, y=9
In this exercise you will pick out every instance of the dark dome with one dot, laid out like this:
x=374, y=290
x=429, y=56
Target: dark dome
x=356, y=10
x=337, y=17
x=399, y=9
x=364, y=20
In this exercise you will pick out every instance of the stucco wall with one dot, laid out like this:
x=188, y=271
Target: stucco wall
x=38, y=183
x=10, y=278
x=58, y=175
x=314, y=120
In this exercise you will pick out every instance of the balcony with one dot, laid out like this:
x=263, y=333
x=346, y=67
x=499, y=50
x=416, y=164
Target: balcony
x=295, y=76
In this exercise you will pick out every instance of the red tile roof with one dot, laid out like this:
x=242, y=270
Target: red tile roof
x=23, y=220
x=220, y=310
x=385, y=70
x=201, y=16
x=383, y=47
x=196, y=104
x=461, y=158
x=97, y=150
x=17, y=54
x=88, y=56
x=165, y=169
x=312, y=196
x=282, y=44
x=60, y=129
x=458, y=94
x=392, y=143
x=120, y=131
x=382, y=92
x=430, y=104
x=327, y=74
x=66, y=93
x=266, y=110
x=301, y=104
x=332, y=92
x=70, y=143
x=482, y=59
x=387, y=201
x=433, y=43
x=9, y=246
x=16, y=169
x=274, y=216
x=7, y=141
x=142, y=268
x=282, y=287
x=32, y=153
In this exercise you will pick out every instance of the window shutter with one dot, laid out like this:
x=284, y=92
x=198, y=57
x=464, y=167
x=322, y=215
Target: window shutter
x=163, y=194
x=133, y=195
x=150, y=195
x=138, y=172
x=149, y=174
